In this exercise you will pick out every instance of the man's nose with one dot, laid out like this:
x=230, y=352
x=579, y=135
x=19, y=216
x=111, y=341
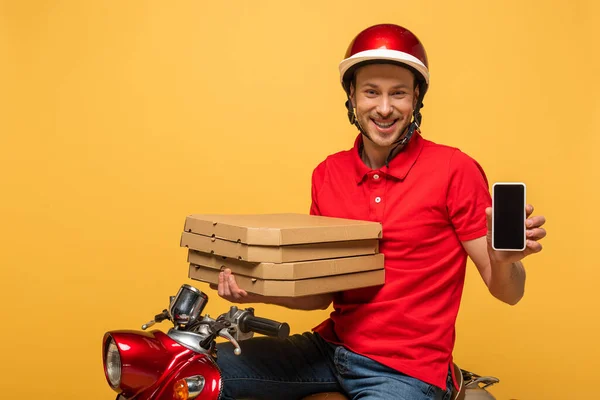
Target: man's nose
x=384, y=108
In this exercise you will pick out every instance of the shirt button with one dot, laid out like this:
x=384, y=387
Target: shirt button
x=377, y=199
x=375, y=176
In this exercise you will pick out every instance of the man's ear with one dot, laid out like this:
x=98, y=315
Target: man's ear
x=352, y=95
x=416, y=96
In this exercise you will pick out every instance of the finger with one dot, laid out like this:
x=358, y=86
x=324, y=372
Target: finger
x=529, y=210
x=536, y=234
x=233, y=287
x=221, y=284
x=236, y=291
x=533, y=247
x=535, y=222
x=226, y=288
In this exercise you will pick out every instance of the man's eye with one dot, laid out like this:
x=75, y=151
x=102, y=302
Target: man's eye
x=399, y=93
x=371, y=92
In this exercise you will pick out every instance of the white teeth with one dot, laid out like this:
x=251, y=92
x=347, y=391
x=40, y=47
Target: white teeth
x=382, y=125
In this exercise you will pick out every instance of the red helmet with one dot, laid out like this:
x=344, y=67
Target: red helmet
x=386, y=43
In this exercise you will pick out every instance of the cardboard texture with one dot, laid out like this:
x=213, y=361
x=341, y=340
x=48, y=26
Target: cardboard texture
x=281, y=229
x=285, y=254
x=294, y=288
x=279, y=254
x=288, y=271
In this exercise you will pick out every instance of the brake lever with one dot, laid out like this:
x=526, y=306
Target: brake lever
x=226, y=335
x=157, y=318
x=214, y=330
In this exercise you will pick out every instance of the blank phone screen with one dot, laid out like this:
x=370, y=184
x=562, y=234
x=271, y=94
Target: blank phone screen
x=509, y=217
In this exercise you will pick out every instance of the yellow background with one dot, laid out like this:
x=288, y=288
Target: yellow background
x=119, y=118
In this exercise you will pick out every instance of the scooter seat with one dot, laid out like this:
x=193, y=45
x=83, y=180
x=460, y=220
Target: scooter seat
x=458, y=395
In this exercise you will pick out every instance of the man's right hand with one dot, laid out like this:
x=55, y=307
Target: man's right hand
x=229, y=289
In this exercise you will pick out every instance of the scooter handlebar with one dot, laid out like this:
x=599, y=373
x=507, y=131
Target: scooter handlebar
x=264, y=326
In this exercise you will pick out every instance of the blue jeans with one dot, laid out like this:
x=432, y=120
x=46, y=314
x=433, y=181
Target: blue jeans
x=305, y=364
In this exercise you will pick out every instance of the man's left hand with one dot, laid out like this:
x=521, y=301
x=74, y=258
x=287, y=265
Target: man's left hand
x=533, y=234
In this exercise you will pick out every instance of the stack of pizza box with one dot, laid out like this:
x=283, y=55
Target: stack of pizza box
x=285, y=254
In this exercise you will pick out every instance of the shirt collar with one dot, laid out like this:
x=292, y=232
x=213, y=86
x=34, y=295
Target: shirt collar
x=399, y=166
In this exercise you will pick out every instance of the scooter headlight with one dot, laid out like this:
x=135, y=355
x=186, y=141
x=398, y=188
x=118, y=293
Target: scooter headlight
x=113, y=364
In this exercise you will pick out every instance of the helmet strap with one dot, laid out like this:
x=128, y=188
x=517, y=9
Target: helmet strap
x=403, y=140
x=353, y=119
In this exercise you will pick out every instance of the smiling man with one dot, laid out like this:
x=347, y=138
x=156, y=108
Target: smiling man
x=385, y=96
x=393, y=341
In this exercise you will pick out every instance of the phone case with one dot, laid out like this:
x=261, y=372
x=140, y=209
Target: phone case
x=524, y=214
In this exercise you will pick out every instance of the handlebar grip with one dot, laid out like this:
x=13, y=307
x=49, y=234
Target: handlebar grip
x=264, y=326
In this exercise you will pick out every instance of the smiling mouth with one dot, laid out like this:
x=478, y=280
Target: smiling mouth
x=384, y=125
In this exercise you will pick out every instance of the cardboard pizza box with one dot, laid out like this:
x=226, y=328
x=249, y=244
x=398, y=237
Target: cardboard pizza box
x=294, y=288
x=289, y=270
x=281, y=229
x=279, y=254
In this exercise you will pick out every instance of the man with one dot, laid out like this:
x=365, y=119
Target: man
x=393, y=341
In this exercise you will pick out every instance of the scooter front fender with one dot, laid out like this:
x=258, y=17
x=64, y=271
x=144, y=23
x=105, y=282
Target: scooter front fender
x=200, y=366
x=152, y=363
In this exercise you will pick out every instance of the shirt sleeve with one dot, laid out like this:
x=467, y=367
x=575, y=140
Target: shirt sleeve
x=316, y=183
x=468, y=196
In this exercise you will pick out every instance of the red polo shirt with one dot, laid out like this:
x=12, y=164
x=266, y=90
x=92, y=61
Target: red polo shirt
x=430, y=199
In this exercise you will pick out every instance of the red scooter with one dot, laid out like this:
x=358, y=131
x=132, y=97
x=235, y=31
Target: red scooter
x=180, y=364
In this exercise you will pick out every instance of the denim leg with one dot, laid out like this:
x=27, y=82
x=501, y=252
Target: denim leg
x=271, y=368
x=366, y=379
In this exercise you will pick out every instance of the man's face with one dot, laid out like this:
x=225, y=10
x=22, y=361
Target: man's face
x=384, y=96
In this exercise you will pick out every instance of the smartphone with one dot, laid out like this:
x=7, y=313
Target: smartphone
x=508, y=216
